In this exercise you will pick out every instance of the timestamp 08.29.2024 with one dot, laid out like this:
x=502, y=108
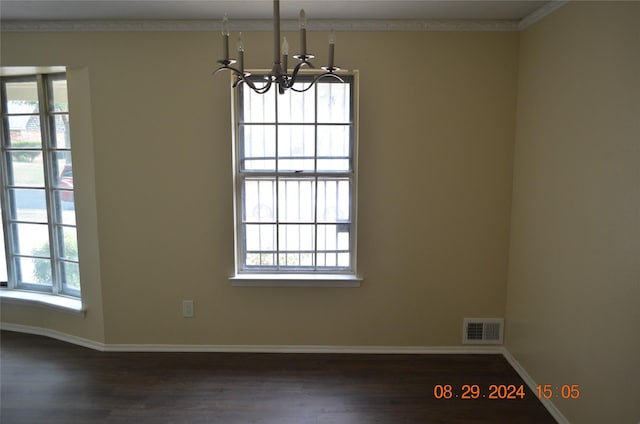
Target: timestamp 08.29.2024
x=474, y=391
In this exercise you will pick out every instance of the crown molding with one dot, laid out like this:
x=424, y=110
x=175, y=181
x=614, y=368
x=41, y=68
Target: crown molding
x=256, y=25
x=540, y=13
x=380, y=25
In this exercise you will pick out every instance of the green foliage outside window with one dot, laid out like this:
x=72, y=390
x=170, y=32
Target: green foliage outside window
x=42, y=269
x=26, y=156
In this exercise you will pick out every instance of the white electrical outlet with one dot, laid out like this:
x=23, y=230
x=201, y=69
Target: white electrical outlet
x=187, y=308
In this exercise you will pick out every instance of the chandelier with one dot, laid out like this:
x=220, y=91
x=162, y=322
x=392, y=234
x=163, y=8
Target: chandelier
x=279, y=74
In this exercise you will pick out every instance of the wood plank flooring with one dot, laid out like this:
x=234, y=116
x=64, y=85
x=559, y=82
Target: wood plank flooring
x=48, y=381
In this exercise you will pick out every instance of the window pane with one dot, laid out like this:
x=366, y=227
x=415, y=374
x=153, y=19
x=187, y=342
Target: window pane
x=70, y=275
x=25, y=169
x=334, y=200
x=29, y=205
x=333, y=165
x=327, y=237
x=334, y=103
x=333, y=240
x=327, y=259
x=22, y=97
x=64, y=201
x=296, y=107
x=334, y=259
x=24, y=131
x=295, y=238
x=334, y=150
x=333, y=141
x=258, y=149
x=62, y=170
x=344, y=259
x=31, y=239
x=260, y=237
x=296, y=148
x=343, y=238
x=296, y=200
x=260, y=259
x=259, y=200
x=60, y=134
x=258, y=107
x=306, y=259
x=69, y=247
x=34, y=271
x=58, y=95
x=290, y=260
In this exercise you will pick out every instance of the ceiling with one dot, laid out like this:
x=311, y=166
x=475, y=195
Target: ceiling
x=49, y=10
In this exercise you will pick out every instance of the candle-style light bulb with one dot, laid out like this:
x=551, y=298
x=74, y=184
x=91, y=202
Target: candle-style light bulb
x=240, y=46
x=225, y=25
x=332, y=45
x=285, y=54
x=225, y=37
x=302, y=23
x=302, y=19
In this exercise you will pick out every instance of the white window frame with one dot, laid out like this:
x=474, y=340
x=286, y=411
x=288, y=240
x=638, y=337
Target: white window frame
x=54, y=221
x=287, y=276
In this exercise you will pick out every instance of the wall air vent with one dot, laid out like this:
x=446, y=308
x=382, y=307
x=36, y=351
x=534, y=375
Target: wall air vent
x=482, y=330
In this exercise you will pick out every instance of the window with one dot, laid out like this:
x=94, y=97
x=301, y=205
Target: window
x=295, y=179
x=37, y=196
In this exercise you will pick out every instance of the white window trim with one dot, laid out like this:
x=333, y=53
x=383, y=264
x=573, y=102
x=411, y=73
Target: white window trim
x=54, y=301
x=296, y=280
x=349, y=279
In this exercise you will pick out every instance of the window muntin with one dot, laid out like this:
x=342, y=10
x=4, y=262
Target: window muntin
x=295, y=179
x=38, y=208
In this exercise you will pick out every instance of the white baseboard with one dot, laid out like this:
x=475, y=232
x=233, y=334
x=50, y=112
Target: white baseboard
x=547, y=403
x=300, y=349
x=497, y=350
x=80, y=341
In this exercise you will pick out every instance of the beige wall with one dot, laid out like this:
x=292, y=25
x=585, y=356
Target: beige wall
x=574, y=277
x=436, y=146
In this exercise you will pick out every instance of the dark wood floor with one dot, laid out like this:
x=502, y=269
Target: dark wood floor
x=49, y=381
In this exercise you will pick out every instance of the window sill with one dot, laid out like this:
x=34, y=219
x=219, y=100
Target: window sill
x=43, y=300
x=295, y=280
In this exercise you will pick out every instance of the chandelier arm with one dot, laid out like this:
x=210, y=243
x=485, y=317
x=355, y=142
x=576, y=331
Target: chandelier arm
x=326, y=74
x=294, y=73
x=241, y=77
x=235, y=71
x=258, y=90
x=330, y=74
x=225, y=68
x=264, y=89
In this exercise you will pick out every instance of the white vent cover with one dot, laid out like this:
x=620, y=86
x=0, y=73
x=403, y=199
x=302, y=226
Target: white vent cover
x=482, y=330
